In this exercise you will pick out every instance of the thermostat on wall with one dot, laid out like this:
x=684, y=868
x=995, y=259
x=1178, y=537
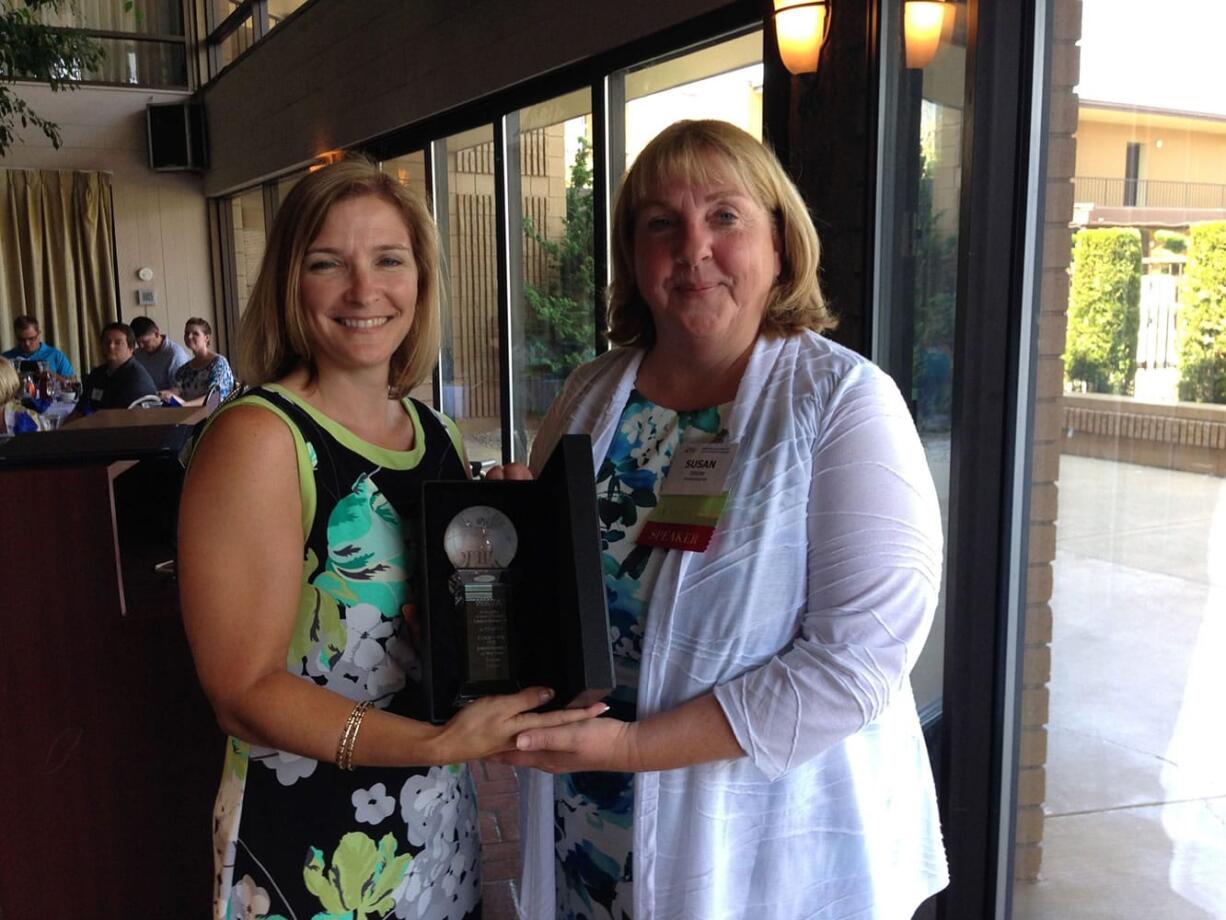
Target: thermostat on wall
x=145, y=274
x=145, y=297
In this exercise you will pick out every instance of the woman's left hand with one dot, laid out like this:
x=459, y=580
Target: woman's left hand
x=597, y=744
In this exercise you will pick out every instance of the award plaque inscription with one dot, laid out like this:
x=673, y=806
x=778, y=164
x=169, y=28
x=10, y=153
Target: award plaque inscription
x=480, y=543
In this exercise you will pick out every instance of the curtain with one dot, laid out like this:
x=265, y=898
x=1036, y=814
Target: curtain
x=57, y=258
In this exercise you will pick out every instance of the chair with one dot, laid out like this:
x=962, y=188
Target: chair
x=212, y=399
x=150, y=401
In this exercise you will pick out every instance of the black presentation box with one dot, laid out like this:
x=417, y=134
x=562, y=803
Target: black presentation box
x=558, y=623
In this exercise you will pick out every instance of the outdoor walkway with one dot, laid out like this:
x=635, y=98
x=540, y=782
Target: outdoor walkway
x=1136, y=782
x=1136, y=778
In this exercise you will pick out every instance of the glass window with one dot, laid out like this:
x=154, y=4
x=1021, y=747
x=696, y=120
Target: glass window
x=553, y=305
x=247, y=226
x=916, y=283
x=218, y=10
x=722, y=81
x=469, y=363
x=236, y=42
x=135, y=61
x=279, y=9
x=284, y=184
x=410, y=170
x=152, y=17
x=140, y=63
x=1121, y=775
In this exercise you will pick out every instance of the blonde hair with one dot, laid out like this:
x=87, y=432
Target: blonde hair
x=712, y=152
x=273, y=337
x=10, y=382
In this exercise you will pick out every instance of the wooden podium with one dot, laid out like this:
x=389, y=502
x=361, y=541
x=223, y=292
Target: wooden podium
x=111, y=754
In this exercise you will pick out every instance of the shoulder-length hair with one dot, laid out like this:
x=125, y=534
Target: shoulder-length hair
x=713, y=152
x=10, y=380
x=273, y=338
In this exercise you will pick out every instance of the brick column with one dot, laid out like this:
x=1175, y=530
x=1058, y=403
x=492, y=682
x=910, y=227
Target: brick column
x=498, y=806
x=1044, y=498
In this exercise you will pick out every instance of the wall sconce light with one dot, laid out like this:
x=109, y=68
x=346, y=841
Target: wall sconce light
x=327, y=158
x=924, y=22
x=800, y=31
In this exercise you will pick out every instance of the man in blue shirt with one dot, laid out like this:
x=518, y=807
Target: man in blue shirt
x=159, y=354
x=30, y=348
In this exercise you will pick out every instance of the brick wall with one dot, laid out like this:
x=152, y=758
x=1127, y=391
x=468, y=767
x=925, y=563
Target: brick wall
x=498, y=804
x=1174, y=436
x=1048, y=424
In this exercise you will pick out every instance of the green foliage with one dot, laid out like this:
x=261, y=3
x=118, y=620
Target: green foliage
x=561, y=330
x=1202, y=344
x=1170, y=242
x=935, y=261
x=1104, y=309
x=31, y=50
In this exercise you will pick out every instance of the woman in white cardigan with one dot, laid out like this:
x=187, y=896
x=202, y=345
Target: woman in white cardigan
x=765, y=758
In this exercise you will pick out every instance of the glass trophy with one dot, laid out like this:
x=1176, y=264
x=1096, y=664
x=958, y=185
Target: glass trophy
x=480, y=542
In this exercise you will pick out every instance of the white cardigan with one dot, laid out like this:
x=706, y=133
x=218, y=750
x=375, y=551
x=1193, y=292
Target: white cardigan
x=804, y=616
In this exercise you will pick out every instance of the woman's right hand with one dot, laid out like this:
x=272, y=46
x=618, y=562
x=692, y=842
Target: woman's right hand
x=491, y=724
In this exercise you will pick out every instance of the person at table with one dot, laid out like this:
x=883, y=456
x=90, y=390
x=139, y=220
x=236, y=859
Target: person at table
x=768, y=762
x=158, y=354
x=119, y=381
x=17, y=415
x=206, y=371
x=30, y=347
x=294, y=569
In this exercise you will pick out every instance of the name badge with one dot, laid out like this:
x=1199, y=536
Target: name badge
x=96, y=394
x=692, y=497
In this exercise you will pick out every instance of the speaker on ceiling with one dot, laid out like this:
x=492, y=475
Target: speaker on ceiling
x=177, y=138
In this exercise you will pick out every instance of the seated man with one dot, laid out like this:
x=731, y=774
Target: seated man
x=120, y=381
x=30, y=348
x=159, y=354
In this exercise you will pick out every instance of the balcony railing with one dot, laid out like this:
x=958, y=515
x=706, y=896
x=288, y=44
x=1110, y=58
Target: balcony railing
x=1147, y=193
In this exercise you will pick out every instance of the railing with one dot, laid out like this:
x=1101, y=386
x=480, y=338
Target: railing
x=1148, y=193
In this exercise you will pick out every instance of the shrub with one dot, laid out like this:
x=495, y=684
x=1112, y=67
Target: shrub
x=563, y=333
x=1104, y=309
x=1202, y=344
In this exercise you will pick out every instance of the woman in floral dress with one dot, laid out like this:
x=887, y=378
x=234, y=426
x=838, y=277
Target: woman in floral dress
x=206, y=371
x=335, y=801
x=766, y=761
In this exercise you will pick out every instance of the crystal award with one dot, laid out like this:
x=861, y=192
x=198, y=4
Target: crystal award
x=481, y=542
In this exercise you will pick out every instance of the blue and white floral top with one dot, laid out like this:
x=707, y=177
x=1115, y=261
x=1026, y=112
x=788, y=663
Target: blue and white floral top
x=194, y=382
x=593, y=828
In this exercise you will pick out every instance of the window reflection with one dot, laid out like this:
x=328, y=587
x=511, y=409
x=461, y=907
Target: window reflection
x=247, y=227
x=722, y=81
x=469, y=364
x=236, y=42
x=554, y=298
x=1121, y=763
x=916, y=284
x=410, y=170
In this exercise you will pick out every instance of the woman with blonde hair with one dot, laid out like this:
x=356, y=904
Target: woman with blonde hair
x=16, y=417
x=294, y=571
x=766, y=759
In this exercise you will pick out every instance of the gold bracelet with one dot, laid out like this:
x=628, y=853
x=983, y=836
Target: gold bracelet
x=349, y=735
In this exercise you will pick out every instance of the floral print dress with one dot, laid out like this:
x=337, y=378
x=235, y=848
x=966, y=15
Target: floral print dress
x=194, y=382
x=593, y=830
x=299, y=839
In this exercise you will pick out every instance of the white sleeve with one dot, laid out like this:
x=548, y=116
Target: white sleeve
x=873, y=560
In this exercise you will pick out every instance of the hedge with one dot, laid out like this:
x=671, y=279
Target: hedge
x=1104, y=309
x=1202, y=343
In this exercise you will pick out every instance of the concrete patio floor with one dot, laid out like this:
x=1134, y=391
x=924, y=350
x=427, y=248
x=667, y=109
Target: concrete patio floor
x=1136, y=781
x=1136, y=774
